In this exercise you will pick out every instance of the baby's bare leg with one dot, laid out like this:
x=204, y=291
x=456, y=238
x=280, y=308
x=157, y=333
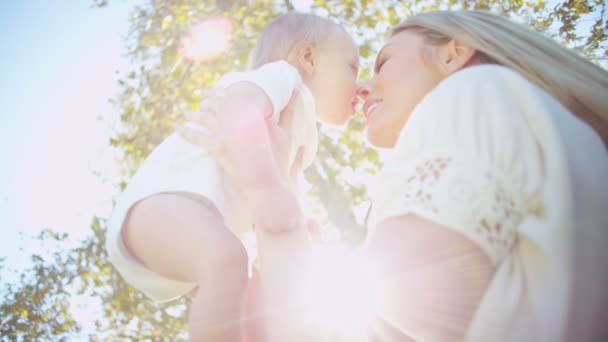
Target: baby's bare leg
x=181, y=239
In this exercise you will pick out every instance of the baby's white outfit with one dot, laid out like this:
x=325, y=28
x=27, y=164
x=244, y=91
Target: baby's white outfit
x=177, y=166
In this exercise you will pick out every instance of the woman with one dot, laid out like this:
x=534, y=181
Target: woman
x=491, y=164
x=487, y=190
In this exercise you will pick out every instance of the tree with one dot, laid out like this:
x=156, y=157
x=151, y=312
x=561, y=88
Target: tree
x=162, y=86
x=40, y=296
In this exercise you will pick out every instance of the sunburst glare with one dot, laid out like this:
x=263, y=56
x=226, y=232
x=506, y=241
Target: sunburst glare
x=345, y=292
x=207, y=40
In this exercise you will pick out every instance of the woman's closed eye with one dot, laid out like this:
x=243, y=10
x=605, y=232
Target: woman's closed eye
x=379, y=64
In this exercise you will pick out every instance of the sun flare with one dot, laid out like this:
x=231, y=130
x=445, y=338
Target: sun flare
x=344, y=291
x=207, y=40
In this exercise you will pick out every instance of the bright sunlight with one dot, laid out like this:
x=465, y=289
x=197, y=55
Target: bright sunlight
x=345, y=292
x=207, y=40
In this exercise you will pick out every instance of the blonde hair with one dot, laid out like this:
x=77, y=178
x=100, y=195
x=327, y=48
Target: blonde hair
x=577, y=83
x=284, y=32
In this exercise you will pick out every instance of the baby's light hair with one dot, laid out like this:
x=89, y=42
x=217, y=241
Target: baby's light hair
x=284, y=32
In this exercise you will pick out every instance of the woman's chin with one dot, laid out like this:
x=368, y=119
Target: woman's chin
x=376, y=138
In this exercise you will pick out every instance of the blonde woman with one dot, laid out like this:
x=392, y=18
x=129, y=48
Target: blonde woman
x=495, y=181
x=487, y=187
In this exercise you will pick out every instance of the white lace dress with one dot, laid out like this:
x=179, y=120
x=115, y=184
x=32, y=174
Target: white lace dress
x=484, y=154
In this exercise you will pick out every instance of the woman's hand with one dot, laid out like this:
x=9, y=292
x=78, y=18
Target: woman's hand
x=202, y=129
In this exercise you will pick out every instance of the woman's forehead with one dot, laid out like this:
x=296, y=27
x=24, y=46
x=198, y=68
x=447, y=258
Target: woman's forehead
x=402, y=40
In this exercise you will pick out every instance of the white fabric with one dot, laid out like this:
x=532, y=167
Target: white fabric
x=484, y=154
x=178, y=166
x=280, y=79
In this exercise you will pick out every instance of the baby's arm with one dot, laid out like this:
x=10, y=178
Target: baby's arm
x=244, y=116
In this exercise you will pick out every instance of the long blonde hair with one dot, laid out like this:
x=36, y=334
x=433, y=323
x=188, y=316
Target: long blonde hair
x=577, y=83
x=284, y=32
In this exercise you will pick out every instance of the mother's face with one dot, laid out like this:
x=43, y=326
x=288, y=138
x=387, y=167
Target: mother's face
x=401, y=79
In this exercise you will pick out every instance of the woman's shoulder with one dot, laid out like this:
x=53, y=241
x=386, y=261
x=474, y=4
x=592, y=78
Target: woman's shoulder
x=476, y=90
x=487, y=75
x=467, y=91
x=483, y=105
x=489, y=84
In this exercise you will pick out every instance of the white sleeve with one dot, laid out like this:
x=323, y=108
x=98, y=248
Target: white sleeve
x=278, y=80
x=467, y=159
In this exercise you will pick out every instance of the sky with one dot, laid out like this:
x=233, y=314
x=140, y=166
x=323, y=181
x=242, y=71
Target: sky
x=59, y=63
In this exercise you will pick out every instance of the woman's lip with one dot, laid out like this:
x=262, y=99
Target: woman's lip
x=369, y=108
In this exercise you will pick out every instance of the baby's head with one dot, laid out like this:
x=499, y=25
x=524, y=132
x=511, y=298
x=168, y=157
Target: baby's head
x=324, y=54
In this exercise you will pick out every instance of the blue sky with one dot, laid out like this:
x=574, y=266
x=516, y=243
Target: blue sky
x=59, y=62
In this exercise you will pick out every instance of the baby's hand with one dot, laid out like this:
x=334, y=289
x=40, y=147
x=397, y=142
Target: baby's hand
x=275, y=209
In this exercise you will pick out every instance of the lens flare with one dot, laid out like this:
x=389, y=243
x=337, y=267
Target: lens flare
x=206, y=40
x=345, y=293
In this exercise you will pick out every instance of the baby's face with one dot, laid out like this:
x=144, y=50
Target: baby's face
x=334, y=81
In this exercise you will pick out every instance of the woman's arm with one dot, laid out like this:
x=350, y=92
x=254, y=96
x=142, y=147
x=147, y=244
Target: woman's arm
x=434, y=277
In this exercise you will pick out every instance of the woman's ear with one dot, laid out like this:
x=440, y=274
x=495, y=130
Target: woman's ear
x=454, y=56
x=303, y=57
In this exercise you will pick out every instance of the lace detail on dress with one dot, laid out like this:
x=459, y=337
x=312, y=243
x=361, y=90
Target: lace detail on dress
x=475, y=203
x=498, y=228
x=421, y=183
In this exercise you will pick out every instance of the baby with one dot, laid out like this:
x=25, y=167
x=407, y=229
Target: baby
x=176, y=226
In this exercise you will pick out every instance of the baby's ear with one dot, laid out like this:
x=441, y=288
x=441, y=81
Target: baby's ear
x=303, y=56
